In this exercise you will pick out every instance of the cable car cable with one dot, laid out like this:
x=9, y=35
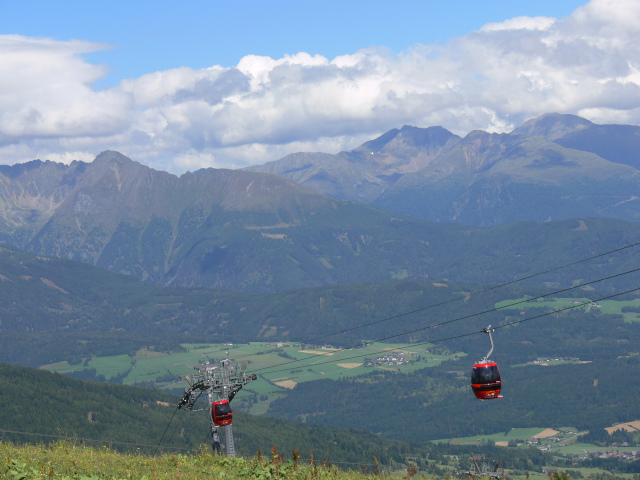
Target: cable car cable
x=495, y=309
x=451, y=300
x=182, y=417
x=165, y=430
x=431, y=342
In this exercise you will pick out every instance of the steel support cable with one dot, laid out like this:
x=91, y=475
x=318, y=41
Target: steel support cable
x=165, y=430
x=375, y=322
x=495, y=309
x=431, y=342
x=177, y=426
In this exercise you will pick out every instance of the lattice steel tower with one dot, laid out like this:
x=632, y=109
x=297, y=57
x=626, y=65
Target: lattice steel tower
x=220, y=381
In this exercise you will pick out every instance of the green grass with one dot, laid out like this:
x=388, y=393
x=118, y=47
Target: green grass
x=262, y=407
x=271, y=365
x=551, y=303
x=67, y=460
x=571, y=447
x=615, y=307
x=523, y=434
x=608, y=307
x=578, y=448
x=586, y=473
x=108, y=366
x=513, y=434
x=552, y=363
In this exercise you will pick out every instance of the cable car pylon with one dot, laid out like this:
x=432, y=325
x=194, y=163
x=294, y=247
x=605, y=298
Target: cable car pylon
x=485, y=375
x=220, y=382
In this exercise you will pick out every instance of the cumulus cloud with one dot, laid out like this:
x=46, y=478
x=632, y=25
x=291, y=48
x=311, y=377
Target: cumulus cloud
x=45, y=91
x=182, y=119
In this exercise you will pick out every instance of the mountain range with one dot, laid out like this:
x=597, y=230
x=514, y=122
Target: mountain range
x=258, y=231
x=552, y=167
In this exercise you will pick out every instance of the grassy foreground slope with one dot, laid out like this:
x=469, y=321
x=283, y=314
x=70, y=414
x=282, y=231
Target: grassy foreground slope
x=131, y=418
x=66, y=461
x=39, y=406
x=53, y=406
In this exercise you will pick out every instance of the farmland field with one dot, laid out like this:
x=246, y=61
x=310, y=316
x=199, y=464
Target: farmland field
x=608, y=307
x=513, y=434
x=279, y=367
x=565, y=441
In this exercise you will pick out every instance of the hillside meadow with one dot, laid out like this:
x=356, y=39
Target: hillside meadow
x=68, y=460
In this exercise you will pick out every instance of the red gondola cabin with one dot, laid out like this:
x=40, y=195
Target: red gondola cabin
x=485, y=380
x=221, y=413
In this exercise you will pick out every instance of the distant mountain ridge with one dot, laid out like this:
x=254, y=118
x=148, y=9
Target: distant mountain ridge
x=553, y=167
x=128, y=218
x=364, y=173
x=259, y=232
x=256, y=232
x=616, y=143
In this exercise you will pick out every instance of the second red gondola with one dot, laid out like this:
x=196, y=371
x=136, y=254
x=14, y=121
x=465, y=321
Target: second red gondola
x=486, y=382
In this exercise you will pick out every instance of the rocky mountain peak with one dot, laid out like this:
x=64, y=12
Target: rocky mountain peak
x=111, y=156
x=396, y=141
x=552, y=126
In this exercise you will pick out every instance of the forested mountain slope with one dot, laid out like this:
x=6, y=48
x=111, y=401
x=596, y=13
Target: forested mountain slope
x=42, y=295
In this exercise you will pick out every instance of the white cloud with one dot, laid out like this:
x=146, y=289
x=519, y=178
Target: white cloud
x=192, y=161
x=45, y=91
x=520, y=23
x=493, y=79
x=68, y=157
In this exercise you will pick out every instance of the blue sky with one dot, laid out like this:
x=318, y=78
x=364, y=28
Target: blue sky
x=146, y=36
x=230, y=84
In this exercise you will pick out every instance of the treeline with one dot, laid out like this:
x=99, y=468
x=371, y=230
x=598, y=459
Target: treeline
x=612, y=465
x=42, y=348
x=53, y=295
x=53, y=405
x=602, y=438
x=589, y=336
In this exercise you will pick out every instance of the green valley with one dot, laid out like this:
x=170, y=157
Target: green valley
x=270, y=361
x=628, y=309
